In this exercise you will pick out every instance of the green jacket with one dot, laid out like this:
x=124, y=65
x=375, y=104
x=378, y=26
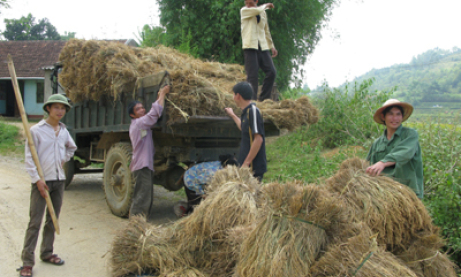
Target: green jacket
x=403, y=149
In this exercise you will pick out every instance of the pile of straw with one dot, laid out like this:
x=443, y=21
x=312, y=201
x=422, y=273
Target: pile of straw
x=355, y=225
x=97, y=69
x=424, y=257
x=389, y=208
x=201, y=237
x=142, y=247
x=359, y=256
x=291, y=232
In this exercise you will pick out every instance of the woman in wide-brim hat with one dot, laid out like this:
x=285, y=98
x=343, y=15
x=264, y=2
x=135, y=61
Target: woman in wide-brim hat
x=397, y=152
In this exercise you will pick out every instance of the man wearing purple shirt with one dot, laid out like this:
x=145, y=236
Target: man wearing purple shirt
x=142, y=161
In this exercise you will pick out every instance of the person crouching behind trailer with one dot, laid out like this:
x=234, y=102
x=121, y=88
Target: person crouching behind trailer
x=195, y=180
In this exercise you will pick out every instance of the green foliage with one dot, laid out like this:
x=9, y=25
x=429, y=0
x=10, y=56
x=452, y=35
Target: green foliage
x=431, y=78
x=9, y=141
x=151, y=36
x=214, y=29
x=25, y=28
x=299, y=156
x=347, y=115
x=186, y=47
x=441, y=145
x=68, y=35
x=294, y=93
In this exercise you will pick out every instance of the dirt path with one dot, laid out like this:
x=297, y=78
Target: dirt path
x=87, y=225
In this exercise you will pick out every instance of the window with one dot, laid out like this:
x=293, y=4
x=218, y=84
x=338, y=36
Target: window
x=40, y=92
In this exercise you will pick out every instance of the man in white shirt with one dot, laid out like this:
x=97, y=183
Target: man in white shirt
x=54, y=147
x=258, y=48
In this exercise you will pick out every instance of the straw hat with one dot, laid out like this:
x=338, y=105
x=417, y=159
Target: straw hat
x=57, y=98
x=407, y=110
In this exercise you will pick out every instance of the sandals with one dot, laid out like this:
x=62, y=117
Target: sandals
x=54, y=259
x=25, y=271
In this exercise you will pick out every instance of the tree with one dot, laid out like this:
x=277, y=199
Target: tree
x=4, y=5
x=215, y=30
x=25, y=28
x=68, y=35
x=152, y=36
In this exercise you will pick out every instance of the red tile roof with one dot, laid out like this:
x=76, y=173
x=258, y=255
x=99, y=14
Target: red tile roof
x=29, y=56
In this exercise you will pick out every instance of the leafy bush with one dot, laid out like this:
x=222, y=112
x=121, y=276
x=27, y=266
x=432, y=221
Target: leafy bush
x=347, y=116
x=441, y=145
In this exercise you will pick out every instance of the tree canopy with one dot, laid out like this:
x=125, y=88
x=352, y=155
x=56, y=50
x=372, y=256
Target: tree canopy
x=26, y=28
x=212, y=28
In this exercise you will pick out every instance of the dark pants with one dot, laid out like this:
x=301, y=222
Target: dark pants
x=193, y=199
x=255, y=59
x=143, y=192
x=37, y=209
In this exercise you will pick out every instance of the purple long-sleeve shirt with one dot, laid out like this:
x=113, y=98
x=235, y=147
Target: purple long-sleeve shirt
x=141, y=138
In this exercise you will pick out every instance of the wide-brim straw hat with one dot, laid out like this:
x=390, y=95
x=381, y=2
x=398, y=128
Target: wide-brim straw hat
x=57, y=98
x=407, y=110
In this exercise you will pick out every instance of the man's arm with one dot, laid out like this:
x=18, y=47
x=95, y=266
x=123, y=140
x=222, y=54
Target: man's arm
x=255, y=146
x=378, y=167
x=151, y=117
x=246, y=13
x=236, y=119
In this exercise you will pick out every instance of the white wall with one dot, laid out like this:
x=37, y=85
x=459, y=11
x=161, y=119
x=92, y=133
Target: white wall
x=30, y=98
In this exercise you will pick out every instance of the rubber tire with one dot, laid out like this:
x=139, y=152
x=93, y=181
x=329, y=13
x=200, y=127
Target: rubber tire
x=173, y=180
x=118, y=180
x=69, y=170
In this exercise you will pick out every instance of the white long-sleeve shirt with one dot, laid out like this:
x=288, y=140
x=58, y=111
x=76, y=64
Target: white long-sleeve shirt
x=52, y=151
x=254, y=33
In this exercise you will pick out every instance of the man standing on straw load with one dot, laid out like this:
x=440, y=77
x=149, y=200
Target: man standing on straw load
x=257, y=47
x=142, y=161
x=54, y=147
x=252, y=146
x=397, y=152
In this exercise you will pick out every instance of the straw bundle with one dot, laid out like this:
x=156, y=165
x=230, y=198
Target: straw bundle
x=229, y=204
x=99, y=69
x=290, y=233
x=141, y=246
x=389, y=208
x=359, y=256
x=425, y=258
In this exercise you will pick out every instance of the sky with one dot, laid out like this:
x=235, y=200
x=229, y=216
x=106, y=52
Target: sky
x=361, y=34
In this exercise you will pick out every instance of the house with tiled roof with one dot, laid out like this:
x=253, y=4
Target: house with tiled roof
x=34, y=64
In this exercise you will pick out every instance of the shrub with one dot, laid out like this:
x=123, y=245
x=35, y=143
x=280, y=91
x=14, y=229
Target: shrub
x=347, y=116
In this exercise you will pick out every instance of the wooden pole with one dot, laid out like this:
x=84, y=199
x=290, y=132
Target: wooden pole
x=33, y=150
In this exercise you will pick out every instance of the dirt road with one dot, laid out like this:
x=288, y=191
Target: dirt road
x=87, y=225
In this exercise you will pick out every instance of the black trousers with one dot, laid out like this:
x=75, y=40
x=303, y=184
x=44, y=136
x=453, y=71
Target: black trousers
x=193, y=199
x=255, y=59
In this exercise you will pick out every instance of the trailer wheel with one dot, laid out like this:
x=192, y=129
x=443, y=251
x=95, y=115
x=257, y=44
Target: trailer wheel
x=174, y=180
x=118, y=180
x=69, y=170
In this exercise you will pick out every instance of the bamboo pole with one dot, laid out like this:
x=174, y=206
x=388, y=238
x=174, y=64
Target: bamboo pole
x=33, y=150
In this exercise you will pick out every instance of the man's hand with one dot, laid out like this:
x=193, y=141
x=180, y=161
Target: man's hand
x=269, y=5
x=376, y=169
x=41, y=186
x=230, y=111
x=164, y=91
x=274, y=52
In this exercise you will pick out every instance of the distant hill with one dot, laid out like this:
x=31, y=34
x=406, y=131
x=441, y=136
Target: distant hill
x=431, y=79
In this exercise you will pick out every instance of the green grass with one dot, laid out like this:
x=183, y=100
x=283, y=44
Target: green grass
x=10, y=140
